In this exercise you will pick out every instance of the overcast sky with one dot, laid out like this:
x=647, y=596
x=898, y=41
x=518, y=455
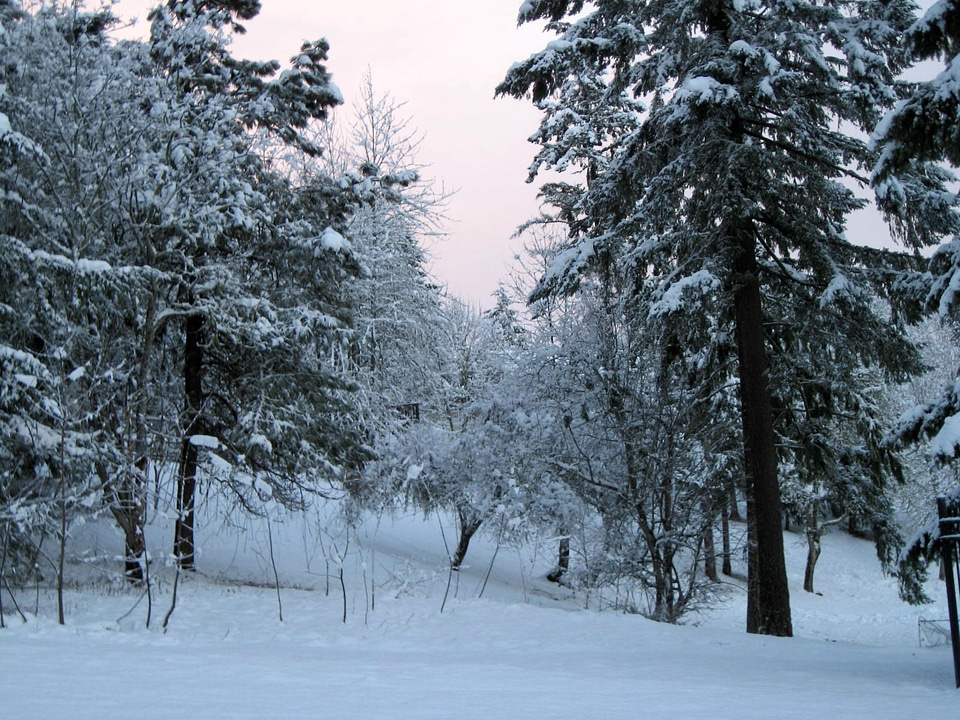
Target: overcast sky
x=443, y=59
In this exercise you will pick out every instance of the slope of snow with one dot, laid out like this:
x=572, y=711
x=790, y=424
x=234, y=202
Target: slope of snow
x=511, y=645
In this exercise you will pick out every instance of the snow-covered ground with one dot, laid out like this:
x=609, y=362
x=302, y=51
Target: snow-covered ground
x=511, y=645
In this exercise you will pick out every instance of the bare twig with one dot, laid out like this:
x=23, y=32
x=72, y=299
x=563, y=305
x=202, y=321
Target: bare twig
x=494, y=558
x=446, y=592
x=3, y=565
x=343, y=589
x=173, y=600
x=276, y=576
x=134, y=607
x=63, y=522
x=146, y=577
x=13, y=597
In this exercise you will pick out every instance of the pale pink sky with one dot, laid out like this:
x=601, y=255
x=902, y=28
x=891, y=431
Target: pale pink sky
x=443, y=59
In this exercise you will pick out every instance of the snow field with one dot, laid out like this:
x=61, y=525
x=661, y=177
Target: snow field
x=524, y=649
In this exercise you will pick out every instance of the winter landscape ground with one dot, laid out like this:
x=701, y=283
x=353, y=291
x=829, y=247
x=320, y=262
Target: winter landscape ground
x=505, y=644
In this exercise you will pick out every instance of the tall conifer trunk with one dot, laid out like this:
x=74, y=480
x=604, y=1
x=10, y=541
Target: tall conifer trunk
x=183, y=543
x=768, y=595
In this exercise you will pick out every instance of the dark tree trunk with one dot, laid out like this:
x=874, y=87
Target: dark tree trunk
x=814, y=531
x=128, y=510
x=133, y=497
x=132, y=510
x=768, y=595
x=132, y=567
x=468, y=528
x=709, y=546
x=813, y=554
x=734, y=507
x=563, y=561
x=183, y=543
x=726, y=564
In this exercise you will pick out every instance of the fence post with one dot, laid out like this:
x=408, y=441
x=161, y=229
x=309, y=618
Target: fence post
x=948, y=542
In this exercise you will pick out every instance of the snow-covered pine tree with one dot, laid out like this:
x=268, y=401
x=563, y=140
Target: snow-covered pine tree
x=732, y=177
x=256, y=288
x=504, y=316
x=29, y=413
x=74, y=93
x=924, y=128
x=143, y=233
x=914, y=140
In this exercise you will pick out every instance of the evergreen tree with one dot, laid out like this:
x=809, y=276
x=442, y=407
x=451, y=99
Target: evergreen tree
x=256, y=290
x=72, y=92
x=28, y=414
x=505, y=318
x=925, y=127
x=729, y=182
x=145, y=235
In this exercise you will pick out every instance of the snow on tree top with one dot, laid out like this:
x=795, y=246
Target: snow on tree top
x=206, y=441
x=672, y=299
x=936, y=16
x=945, y=443
x=330, y=239
x=948, y=82
x=840, y=287
x=29, y=381
x=742, y=47
x=570, y=261
x=703, y=89
x=334, y=92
